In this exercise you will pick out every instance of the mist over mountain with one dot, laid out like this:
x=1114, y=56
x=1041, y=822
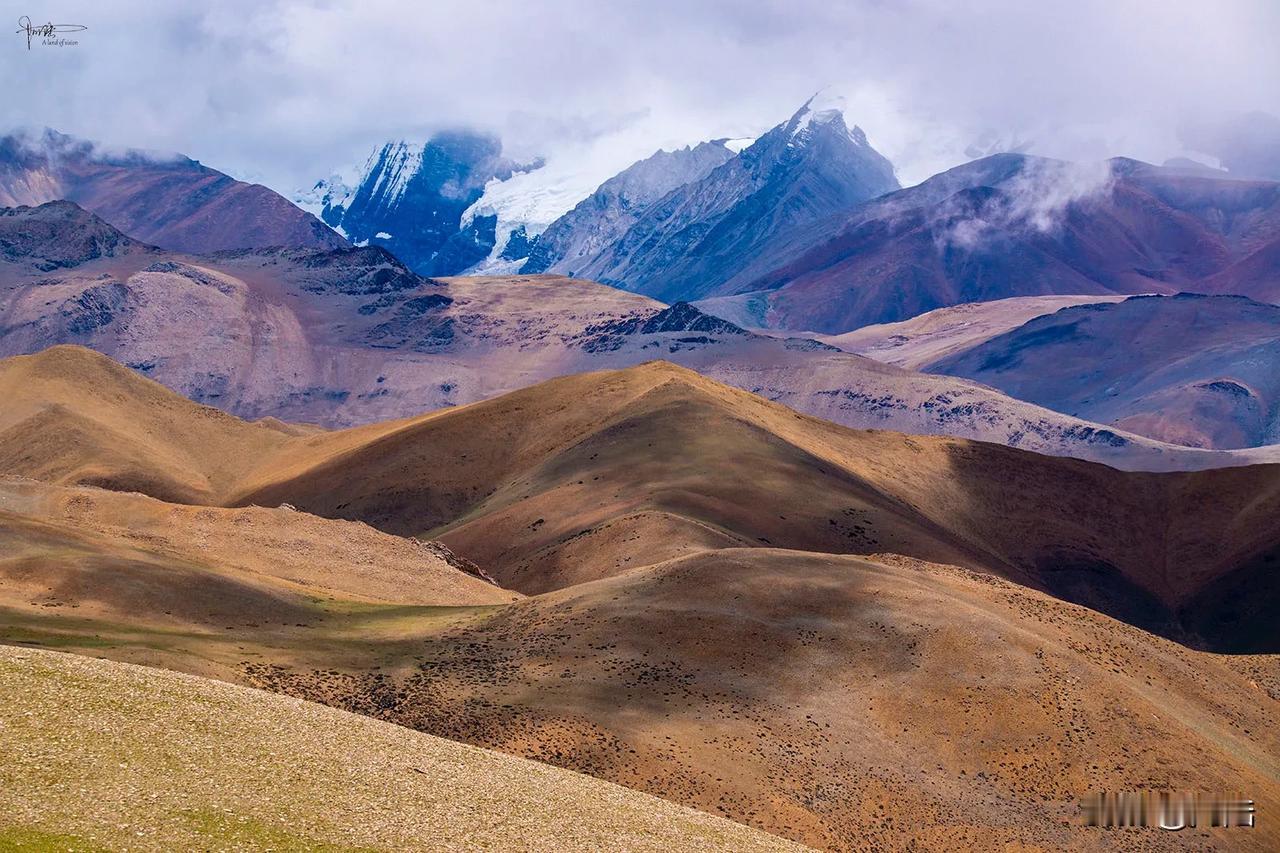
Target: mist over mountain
x=1016, y=225
x=1247, y=145
x=165, y=199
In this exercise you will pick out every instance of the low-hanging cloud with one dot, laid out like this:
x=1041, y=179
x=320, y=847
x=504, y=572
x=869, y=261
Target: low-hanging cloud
x=286, y=90
x=1034, y=200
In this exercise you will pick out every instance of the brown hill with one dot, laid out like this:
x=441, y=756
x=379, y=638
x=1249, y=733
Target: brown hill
x=74, y=416
x=846, y=703
x=590, y=475
x=555, y=484
x=118, y=555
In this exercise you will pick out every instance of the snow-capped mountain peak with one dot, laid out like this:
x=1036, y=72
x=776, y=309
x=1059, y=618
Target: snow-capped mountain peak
x=331, y=192
x=825, y=110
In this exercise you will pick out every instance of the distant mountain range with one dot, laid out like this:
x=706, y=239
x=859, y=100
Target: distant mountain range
x=1196, y=370
x=1015, y=225
x=673, y=225
x=164, y=199
x=806, y=227
x=346, y=336
x=747, y=215
x=802, y=229
x=789, y=232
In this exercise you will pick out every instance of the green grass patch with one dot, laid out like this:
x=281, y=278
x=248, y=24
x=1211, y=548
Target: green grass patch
x=251, y=833
x=17, y=635
x=28, y=838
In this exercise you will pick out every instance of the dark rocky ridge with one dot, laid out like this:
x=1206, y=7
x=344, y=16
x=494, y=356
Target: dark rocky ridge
x=411, y=201
x=574, y=239
x=60, y=234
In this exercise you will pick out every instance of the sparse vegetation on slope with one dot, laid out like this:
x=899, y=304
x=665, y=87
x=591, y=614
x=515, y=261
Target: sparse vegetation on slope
x=108, y=756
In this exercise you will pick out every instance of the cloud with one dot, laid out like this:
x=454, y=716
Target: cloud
x=1035, y=199
x=291, y=90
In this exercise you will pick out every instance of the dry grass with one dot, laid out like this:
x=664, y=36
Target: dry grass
x=108, y=755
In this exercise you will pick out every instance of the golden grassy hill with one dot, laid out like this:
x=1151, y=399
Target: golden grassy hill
x=180, y=584
x=108, y=756
x=74, y=416
x=556, y=484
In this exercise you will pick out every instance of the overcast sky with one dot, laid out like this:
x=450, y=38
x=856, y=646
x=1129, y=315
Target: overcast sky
x=283, y=92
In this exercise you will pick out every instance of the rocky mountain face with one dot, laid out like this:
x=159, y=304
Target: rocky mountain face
x=410, y=199
x=749, y=214
x=1016, y=225
x=604, y=217
x=60, y=234
x=1197, y=370
x=457, y=206
x=165, y=200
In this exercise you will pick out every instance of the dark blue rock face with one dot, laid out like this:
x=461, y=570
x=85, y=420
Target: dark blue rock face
x=411, y=202
x=519, y=245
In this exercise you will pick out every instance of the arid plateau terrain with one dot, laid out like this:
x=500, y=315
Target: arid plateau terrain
x=848, y=639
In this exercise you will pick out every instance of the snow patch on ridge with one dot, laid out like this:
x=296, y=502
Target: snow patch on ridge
x=533, y=199
x=824, y=108
x=400, y=161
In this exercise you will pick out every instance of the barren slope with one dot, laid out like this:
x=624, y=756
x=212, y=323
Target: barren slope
x=109, y=755
x=933, y=335
x=1192, y=369
x=119, y=555
x=554, y=485
x=847, y=703
x=165, y=199
x=74, y=416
